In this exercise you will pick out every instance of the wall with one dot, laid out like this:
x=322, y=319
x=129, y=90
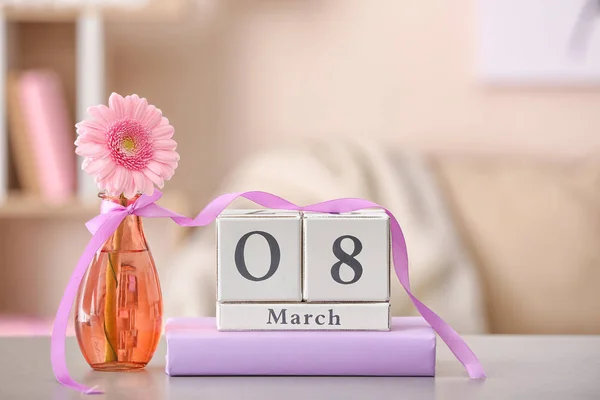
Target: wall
x=245, y=72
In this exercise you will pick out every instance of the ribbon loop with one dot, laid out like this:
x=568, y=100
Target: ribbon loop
x=145, y=201
x=112, y=214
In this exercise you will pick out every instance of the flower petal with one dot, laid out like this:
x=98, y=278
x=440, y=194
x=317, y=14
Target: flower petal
x=163, y=170
x=154, y=178
x=102, y=186
x=90, y=124
x=129, y=189
x=163, y=132
x=85, y=163
x=138, y=180
x=129, y=106
x=96, y=116
x=169, y=170
x=108, y=169
x=147, y=185
x=90, y=149
x=83, y=139
x=166, y=156
x=151, y=118
x=165, y=144
x=140, y=107
x=102, y=114
x=99, y=168
x=117, y=181
x=117, y=103
x=94, y=131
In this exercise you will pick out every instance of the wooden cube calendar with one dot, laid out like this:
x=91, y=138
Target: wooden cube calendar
x=346, y=256
x=286, y=270
x=259, y=256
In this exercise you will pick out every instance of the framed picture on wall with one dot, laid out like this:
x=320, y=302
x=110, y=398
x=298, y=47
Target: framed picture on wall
x=539, y=41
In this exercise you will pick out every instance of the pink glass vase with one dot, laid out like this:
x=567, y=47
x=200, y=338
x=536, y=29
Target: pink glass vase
x=118, y=316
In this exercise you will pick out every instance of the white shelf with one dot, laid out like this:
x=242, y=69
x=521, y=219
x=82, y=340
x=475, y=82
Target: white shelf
x=90, y=81
x=41, y=242
x=69, y=10
x=88, y=17
x=89, y=86
x=19, y=205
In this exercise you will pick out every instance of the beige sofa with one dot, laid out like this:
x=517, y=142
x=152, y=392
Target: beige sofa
x=533, y=227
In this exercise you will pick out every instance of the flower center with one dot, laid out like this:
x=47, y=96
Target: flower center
x=129, y=144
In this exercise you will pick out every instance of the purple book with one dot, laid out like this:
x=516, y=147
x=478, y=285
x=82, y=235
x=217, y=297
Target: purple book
x=196, y=348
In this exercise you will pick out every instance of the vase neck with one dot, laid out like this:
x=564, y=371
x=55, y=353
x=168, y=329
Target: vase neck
x=122, y=200
x=129, y=236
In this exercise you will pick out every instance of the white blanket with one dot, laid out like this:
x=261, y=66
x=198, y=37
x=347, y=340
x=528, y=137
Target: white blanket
x=441, y=273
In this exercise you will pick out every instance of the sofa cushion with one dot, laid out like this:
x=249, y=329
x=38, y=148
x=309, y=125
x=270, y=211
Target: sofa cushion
x=534, y=229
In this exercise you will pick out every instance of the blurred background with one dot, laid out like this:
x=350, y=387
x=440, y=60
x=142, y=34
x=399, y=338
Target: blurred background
x=476, y=122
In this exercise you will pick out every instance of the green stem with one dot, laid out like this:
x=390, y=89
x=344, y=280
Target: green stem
x=110, y=308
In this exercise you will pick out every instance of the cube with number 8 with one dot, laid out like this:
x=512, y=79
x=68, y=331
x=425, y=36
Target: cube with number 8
x=346, y=257
x=259, y=256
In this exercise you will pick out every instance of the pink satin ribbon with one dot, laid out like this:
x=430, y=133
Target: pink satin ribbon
x=103, y=226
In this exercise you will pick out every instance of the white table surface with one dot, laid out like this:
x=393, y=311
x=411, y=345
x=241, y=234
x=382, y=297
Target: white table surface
x=518, y=367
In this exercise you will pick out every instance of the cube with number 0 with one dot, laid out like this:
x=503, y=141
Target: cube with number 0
x=259, y=256
x=346, y=257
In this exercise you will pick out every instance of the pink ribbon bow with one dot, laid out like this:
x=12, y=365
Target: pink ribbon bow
x=105, y=224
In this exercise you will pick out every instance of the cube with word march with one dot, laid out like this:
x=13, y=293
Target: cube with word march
x=290, y=270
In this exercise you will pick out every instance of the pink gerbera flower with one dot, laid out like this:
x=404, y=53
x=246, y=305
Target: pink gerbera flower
x=127, y=146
